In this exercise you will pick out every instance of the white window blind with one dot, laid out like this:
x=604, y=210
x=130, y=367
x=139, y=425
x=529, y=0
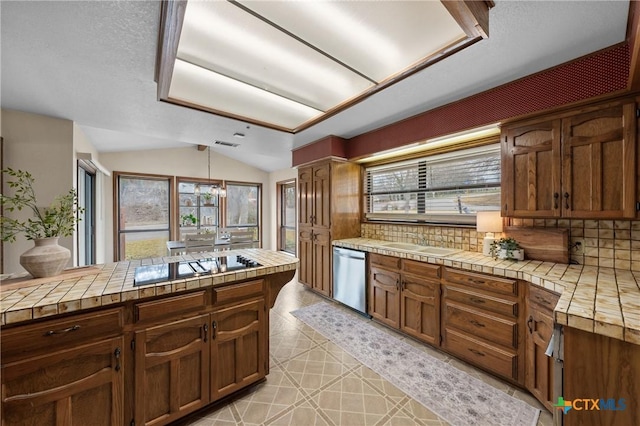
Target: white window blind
x=445, y=188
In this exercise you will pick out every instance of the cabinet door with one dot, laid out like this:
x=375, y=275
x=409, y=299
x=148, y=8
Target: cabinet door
x=305, y=252
x=238, y=347
x=171, y=370
x=322, y=258
x=538, y=366
x=420, y=308
x=79, y=386
x=599, y=150
x=384, y=296
x=531, y=161
x=305, y=196
x=322, y=195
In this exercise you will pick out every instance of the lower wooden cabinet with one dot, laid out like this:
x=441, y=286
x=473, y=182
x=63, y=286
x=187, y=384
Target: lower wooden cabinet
x=539, y=328
x=171, y=370
x=405, y=294
x=83, y=385
x=315, y=259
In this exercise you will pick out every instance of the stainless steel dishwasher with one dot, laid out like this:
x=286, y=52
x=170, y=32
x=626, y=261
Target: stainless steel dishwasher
x=349, y=278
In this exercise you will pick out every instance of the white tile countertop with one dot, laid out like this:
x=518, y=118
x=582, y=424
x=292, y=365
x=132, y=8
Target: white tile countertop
x=112, y=283
x=600, y=300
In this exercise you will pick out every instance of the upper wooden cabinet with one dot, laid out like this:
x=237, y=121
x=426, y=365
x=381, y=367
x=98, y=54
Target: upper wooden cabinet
x=580, y=165
x=329, y=205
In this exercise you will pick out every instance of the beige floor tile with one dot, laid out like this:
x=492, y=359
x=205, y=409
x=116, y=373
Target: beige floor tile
x=304, y=414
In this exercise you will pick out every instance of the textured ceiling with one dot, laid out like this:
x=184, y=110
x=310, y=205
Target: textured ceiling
x=94, y=63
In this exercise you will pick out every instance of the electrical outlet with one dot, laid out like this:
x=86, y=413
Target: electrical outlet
x=577, y=246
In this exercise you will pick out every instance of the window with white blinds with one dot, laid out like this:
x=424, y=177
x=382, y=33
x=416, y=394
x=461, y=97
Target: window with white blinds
x=444, y=188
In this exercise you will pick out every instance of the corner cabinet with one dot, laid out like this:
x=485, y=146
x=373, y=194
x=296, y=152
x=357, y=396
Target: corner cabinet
x=577, y=164
x=329, y=208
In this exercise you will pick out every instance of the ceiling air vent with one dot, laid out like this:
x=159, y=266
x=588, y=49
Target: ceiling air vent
x=223, y=143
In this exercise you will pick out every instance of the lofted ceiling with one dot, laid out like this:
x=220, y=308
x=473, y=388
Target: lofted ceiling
x=95, y=63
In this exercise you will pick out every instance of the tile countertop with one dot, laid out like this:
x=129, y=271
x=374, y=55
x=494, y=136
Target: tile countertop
x=114, y=284
x=604, y=301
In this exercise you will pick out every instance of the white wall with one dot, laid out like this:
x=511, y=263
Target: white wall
x=186, y=162
x=43, y=146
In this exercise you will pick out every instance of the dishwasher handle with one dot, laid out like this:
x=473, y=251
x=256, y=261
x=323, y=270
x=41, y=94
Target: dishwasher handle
x=351, y=254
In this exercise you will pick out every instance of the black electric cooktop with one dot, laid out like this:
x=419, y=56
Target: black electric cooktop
x=152, y=274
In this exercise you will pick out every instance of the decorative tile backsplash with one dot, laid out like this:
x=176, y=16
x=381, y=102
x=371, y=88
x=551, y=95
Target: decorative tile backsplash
x=604, y=243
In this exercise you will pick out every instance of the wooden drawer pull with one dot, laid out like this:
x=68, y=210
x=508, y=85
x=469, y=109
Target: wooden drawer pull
x=478, y=281
x=65, y=330
x=476, y=352
x=475, y=300
x=476, y=323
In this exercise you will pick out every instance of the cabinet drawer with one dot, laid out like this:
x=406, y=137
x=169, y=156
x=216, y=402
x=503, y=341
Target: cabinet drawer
x=238, y=291
x=482, y=282
x=421, y=269
x=492, y=358
x=70, y=331
x=497, y=330
x=170, y=306
x=542, y=297
x=483, y=301
x=390, y=262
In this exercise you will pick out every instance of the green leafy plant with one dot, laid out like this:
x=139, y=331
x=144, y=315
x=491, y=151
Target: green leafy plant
x=57, y=220
x=188, y=219
x=508, y=244
x=207, y=197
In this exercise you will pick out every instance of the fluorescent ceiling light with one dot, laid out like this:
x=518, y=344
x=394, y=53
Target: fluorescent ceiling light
x=436, y=143
x=287, y=65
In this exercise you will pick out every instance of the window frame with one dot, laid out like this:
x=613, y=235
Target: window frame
x=424, y=216
x=258, y=226
x=116, y=206
x=281, y=214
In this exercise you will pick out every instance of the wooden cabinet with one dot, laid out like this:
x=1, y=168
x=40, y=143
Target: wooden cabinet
x=405, y=294
x=238, y=347
x=171, y=370
x=539, y=367
x=531, y=160
x=481, y=322
x=190, y=352
x=578, y=164
x=604, y=368
x=72, y=372
x=329, y=208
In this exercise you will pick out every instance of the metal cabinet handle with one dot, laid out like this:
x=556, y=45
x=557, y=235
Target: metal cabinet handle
x=566, y=200
x=475, y=300
x=555, y=200
x=529, y=322
x=205, y=329
x=66, y=330
x=477, y=352
x=117, y=353
x=214, y=328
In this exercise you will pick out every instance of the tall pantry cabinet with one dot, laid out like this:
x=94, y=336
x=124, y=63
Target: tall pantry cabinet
x=329, y=193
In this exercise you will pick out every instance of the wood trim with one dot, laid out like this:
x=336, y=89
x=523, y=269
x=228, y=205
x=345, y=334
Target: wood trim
x=172, y=16
x=633, y=38
x=472, y=16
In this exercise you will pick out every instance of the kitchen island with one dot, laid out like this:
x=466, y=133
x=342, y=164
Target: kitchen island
x=95, y=349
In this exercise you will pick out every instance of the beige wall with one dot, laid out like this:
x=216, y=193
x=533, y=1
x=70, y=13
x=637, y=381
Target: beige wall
x=186, y=162
x=42, y=146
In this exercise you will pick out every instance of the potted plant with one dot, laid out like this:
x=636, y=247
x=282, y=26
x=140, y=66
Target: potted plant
x=188, y=219
x=506, y=248
x=47, y=225
x=207, y=198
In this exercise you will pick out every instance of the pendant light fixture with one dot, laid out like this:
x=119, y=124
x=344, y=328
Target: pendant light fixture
x=213, y=190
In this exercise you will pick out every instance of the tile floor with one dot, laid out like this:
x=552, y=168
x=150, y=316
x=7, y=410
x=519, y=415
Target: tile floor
x=314, y=382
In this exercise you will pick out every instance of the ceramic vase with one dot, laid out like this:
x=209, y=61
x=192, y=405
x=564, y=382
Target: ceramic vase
x=46, y=258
